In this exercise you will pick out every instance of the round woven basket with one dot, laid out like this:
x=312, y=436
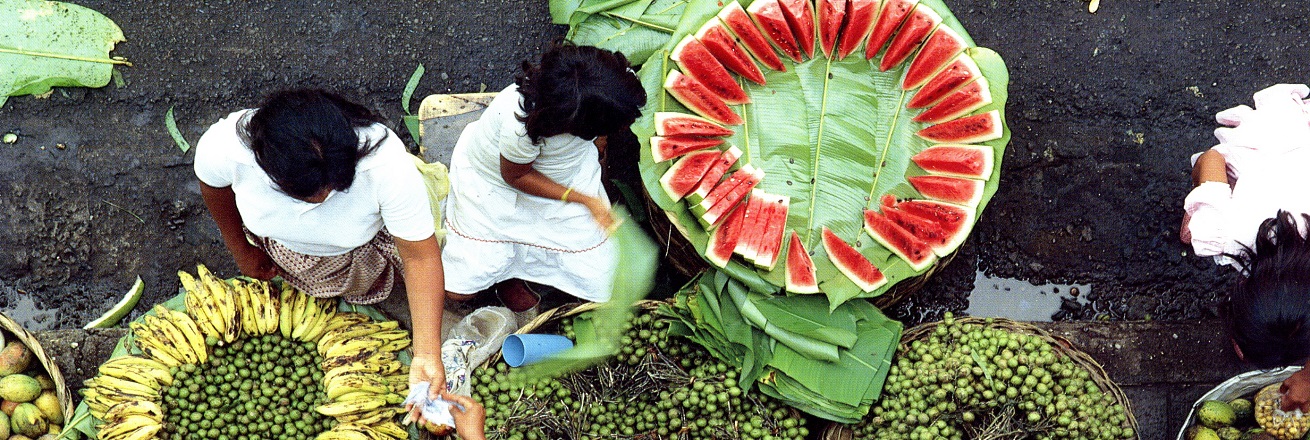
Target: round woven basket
x=1059, y=344
x=48, y=363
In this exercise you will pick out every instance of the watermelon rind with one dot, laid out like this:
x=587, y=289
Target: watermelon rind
x=770, y=19
x=771, y=241
x=663, y=148
x=731, y=199
x=915, y=252
x=722, y=188
x=691, y=168
x=682, y=124
x=890, y=17
x=956, y=74
x=800, y=276
x=910, y=36
x=860, y=15
x=942, y=46
x=949, y=189
x=735, y=18
x=724, y=47
x=829, y=24
x=962, y=101
x=800, y=18
x=695, y=96
x=852, y=263
x=971, y=161
x=967, y=130
x=697, y=62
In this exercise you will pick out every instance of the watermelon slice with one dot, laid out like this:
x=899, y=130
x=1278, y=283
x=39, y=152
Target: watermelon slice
x=771, y=239
x=972, y=96
x=721, y=188
x=859, y=22
x=769, y=16
x=949, y=189
x=967, y=130
x=682, y=124
x=724, y=47
x=747, y=177
x=754, y=208
x=955, y=220
x=851, y=263
x=954, y=75
x=724, y=239
x=891, y=15
x=713, y=174
x=938, y=235
x=971, y=161
x=911, y=35
x=800, y=18
x=700, y=99
x=800, y=276
x=831, y=14
x=697, y=62
x=915, y=252
x=663, y=148
x=943, y=45
x=685, y=174
x=741, y=25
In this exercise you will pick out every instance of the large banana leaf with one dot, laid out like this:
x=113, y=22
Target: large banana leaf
x=51, y=44
x=636, y=28
x=834, y=135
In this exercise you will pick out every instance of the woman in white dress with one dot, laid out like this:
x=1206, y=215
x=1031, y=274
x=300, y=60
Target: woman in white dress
x=526, y=201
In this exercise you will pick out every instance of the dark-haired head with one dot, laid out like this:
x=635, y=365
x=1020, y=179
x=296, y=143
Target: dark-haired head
x=1268, y=315
x=305, y=140
x=580, y=90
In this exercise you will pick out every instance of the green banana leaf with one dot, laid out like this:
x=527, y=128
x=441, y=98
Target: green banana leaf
x=833, y=135
x=809, y=316
x=52, y=44
x=636, y=28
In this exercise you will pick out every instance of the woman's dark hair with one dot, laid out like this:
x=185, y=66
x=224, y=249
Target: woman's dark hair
x=305, y=140
x=1268, y=315
x=580, y=90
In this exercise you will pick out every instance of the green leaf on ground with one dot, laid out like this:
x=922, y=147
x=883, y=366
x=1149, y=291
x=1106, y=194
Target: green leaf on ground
x=53, y=44
x=171, y=123
x=410, y=86
x=636, y=28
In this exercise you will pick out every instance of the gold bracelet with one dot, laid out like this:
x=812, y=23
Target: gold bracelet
x=565, y=198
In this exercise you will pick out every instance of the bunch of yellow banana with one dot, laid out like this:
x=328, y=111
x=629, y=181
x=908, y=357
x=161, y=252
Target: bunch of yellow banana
x=386, y=331
x=213, y=304
x=132, y=424
x=258, y=306
x=170, y=337
x=354, y=431
x=125, y=379
x=304, y=317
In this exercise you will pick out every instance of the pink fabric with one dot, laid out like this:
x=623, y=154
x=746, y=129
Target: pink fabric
x=365, y=275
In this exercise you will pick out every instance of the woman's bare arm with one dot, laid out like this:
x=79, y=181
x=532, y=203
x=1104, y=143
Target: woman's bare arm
x=524, y=177
x=222, y=204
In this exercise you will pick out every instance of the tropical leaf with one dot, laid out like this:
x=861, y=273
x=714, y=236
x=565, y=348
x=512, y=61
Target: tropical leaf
x=833, y=135
x=636, y=28
x=52, y=44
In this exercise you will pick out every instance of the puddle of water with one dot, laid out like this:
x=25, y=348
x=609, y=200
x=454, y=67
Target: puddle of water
x=1018, y=299
x=23, y=310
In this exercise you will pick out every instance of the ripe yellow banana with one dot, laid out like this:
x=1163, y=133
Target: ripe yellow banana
x=144, y=365
x=370, y=383
x=173, y=340
x=327, y=311
x=196, y=298
x=128, y=425
x=305, y=315
x=344, y=319
x=354, y=347
x=371, y=418
x=333, y=337
x=110, y=385
x=146, y=433
x=243, y=307
x=222, y=299
x=343, y=432
x=390, y=428
x=136, y=374
x=271, y=306
x=153, y=345
x=138, y=408
x=343, y=407
x=189, y=330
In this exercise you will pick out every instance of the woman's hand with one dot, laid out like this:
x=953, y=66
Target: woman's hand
x=600, y=211
x=469, y=422
x=1296, y=391
x=427, y=367
x=254, y=262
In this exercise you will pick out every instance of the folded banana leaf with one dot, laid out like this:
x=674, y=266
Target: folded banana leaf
x=809, y=317
x=636, y=28
x=810, y=347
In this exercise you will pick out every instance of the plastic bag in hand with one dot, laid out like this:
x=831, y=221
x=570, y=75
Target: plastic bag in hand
x=1279, y=122
x=436, y=412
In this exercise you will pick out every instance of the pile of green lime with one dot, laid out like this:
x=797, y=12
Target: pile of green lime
x=657, y=387
x=260, y=387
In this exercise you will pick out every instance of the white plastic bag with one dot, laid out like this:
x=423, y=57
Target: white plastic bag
x=1240, y=385
x=487, y=327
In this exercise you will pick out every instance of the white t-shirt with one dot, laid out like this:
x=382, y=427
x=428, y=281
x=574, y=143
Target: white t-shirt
x=387, y=191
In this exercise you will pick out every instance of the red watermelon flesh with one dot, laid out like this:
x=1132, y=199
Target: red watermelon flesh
x=956, y=221
x=981, y=127
x=962, y=101
x=724, y=47
x=700, y=99
x=971, y=161
x=831, y=15
x=769, y=16
x=697, y=62
x=891, y=15
x=724, y=239
x=800, y=17
x=685, y=174
x=852, y=263
x=943, y=45
x=949, y=189
x=860, y=15
x=924, y=229
x=736, y=19
x=722, y=188
x=731, y=199
x=759, y=239
x=714, y=174
x=746, y=247
x=771, y=240
x=954, y=75
x=800, y=277
x=663, y=148
x=911, y=35
x=917, y=253
x=887, y=200
x=682, y=124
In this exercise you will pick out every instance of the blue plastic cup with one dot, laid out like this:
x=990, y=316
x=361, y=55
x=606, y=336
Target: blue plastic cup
x=524, y=349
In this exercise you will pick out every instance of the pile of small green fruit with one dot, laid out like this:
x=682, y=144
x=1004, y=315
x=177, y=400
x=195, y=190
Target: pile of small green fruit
x=977, y=380
x=261, y=387
x=1239, y=419
x=657, y=387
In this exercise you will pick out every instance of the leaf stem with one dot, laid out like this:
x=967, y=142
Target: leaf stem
x=818, y=146
x=639, y=22
x=882, y=157
x=66, y=57
x=138, y=218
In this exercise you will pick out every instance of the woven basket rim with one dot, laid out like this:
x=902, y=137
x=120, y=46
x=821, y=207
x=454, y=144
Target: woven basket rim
x=47, y=362
x=1059, y=344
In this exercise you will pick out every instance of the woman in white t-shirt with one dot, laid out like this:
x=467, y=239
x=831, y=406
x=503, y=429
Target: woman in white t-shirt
x=314, y=188
x=526, y=201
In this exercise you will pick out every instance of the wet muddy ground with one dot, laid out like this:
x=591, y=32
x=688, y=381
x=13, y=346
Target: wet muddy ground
x=1105, y=110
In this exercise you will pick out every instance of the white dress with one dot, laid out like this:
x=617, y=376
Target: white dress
x=497, y=232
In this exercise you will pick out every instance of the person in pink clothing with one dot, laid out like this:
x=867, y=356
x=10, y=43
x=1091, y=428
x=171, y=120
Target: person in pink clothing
x=1248, y=209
